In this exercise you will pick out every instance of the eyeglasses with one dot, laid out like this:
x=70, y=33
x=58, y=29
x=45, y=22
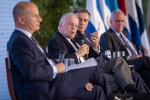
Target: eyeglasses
x=71, y=24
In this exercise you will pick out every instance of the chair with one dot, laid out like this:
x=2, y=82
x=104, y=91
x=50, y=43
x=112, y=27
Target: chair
x=9, y=79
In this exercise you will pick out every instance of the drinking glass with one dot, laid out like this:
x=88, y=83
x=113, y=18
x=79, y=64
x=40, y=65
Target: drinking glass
x=68, y=62
x=108, y=54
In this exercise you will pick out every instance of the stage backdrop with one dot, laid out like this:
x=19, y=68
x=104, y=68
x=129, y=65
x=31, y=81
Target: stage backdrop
x=6, y=28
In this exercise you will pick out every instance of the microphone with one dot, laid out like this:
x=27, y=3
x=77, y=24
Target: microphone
x=81, y=40
x=61, y=56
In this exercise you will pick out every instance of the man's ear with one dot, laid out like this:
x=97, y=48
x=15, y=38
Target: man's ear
x=21, y=19
x=110, y=21
x=60, y=24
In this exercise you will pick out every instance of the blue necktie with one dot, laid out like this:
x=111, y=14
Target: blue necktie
x=127, y=45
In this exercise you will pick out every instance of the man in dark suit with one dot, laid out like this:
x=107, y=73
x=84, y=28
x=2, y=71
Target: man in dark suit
x=36, y=77
x=73, y=50
x=115, y=39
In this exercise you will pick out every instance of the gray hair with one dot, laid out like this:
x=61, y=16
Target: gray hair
x=114, y=12
x=64, y=16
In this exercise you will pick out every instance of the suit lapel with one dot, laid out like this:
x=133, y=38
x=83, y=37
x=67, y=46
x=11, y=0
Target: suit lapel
x=66, y=41
x=117, y=39
x=36, y=47
x=33, y=44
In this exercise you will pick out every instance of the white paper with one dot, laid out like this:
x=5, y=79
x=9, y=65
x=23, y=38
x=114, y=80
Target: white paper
x=88, y=63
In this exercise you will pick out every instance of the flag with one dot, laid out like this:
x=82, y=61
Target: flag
x=112, y=4
x=133, y=21
x=95, y=23
x=143, y=33
x=104, y=12
x=122, y=6
x=148, y=21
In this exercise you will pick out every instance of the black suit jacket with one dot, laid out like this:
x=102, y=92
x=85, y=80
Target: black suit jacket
x=59, y=42
x=110, y=41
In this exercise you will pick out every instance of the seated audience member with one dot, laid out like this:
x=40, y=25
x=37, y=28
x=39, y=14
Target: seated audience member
x=115, y=39
x=66, y=34
x=36, y=77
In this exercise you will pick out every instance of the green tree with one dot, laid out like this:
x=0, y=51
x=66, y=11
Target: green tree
x=51, y=12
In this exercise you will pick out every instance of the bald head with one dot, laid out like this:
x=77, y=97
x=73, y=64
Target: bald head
x=26, y=16
x=21, y=8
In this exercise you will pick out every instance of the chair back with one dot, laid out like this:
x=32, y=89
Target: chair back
x=9, y=78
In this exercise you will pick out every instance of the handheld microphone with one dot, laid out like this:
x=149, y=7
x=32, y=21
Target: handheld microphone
x=61, y=56
x=81, y=40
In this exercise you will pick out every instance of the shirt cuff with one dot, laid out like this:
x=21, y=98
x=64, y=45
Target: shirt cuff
x=128, y=58
x=97, y=50
x=53, y=67
x=77, y=57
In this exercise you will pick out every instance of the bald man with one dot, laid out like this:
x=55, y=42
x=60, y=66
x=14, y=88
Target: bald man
x=37, y=77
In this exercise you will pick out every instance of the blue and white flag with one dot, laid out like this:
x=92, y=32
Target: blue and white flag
x=112, y=4
x=143, y=33
x=148, y=21
x=105, y=12
x=95, y=23
x=133, y=21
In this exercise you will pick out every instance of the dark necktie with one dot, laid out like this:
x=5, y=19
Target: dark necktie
x=127, y=45
x=73, y=41
x=34, y=40
x=51, y=62
x=75, y=44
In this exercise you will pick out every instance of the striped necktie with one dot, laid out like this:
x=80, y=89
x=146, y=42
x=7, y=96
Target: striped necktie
x=127, y=45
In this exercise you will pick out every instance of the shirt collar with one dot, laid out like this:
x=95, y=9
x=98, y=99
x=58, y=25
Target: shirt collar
x=64, y=36
x=117, y=33
x=25, y=32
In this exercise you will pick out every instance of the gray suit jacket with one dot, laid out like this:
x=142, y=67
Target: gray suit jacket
x=110, y=41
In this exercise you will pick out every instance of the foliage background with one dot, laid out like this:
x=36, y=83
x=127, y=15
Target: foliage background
x=51, y=12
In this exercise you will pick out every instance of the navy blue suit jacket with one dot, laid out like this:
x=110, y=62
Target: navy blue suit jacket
x=33, y=75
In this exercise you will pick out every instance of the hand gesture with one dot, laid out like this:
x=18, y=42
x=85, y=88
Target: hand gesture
x=95, y=39
x=84, y=49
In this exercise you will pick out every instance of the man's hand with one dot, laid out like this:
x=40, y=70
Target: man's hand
x=135, y=57
x=84, y=49
x=60, y=67
x=95, y=39
x=89, y=86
